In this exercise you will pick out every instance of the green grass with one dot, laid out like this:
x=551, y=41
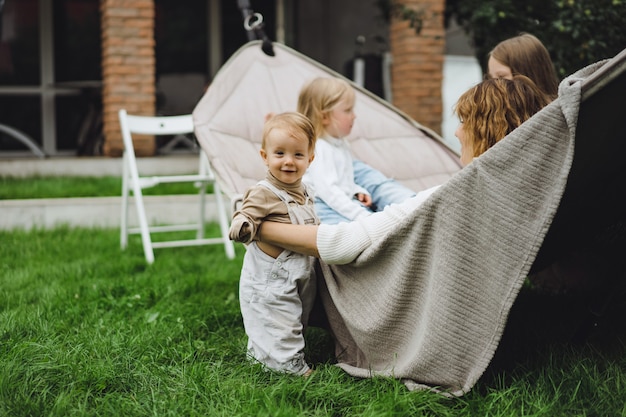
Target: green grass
x=64, y=187
x=89, y=330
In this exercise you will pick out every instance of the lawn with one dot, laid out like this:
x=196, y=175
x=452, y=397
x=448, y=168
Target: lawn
x=88, y=329
x=64, y=187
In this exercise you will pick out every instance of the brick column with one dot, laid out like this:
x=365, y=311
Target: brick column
x=128, y=69
x=417, y=68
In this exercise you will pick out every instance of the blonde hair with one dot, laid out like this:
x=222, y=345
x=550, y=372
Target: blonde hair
x=319, y=96
x=526, y=55
x=295, y=124
x=493, y=108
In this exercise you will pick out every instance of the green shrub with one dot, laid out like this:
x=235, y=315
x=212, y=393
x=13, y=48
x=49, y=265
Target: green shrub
x=576, y=32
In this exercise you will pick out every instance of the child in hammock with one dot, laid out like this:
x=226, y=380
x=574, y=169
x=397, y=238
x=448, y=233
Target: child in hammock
x=345, y=188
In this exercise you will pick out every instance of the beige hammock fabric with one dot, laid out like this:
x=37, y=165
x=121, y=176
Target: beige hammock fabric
x=229, y=121
x=428, y=303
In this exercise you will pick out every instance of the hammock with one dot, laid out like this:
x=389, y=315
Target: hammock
x=229, y=122
x=428, y=303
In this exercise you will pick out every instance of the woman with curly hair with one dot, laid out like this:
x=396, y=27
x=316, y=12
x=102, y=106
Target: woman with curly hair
x=492, y=109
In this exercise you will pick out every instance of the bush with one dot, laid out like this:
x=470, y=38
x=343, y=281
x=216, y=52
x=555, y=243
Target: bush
x=576, y=32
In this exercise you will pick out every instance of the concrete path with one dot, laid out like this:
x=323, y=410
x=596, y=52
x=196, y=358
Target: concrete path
x=102, y=212
x=96, y=166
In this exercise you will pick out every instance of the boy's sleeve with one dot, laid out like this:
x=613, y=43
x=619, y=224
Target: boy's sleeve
x=242, y=229
x=247, y=219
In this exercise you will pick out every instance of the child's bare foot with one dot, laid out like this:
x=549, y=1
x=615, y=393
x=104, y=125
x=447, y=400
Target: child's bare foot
x=307, y=373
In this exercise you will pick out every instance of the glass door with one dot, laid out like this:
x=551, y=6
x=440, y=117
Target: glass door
x=49, y=77
x=20, y=78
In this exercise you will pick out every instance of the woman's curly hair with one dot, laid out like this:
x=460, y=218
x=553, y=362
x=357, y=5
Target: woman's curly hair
x=493, y=108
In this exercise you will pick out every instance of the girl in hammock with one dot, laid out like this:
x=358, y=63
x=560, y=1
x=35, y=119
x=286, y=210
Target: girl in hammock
x=345, y=188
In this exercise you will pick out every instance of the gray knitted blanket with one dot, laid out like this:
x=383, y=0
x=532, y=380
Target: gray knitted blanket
x=428, y=303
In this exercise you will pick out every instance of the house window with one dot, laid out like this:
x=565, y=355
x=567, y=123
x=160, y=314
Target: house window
x=20, y=106
x=49, y=73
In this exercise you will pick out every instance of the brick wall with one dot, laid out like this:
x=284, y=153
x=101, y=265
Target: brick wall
x=128, y=69
x=417, y=68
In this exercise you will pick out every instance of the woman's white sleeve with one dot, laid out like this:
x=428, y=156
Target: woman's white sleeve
x=341, y=243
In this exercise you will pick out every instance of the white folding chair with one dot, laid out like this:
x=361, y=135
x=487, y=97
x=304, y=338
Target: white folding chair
x=133, y=183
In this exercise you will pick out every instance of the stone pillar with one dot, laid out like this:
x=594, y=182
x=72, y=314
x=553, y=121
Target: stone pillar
x=417, y=67
x=128, y=69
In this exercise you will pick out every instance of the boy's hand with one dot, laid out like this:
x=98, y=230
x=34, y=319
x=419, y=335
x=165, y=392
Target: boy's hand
x=365, y=199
